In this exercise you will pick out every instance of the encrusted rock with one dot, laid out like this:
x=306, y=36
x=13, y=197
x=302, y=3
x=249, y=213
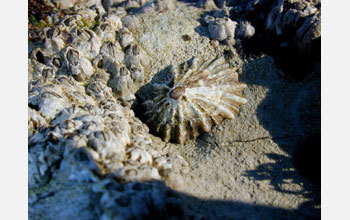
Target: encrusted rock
x=79, y=82
x=304, y=17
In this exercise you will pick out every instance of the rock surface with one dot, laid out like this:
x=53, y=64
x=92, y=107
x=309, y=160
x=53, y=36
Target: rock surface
x=242, y=169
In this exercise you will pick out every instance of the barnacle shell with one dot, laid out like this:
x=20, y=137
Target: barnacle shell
x=79, y=66
x=221, y=28
x=106, y=31
x=87, y=42
x=193, y=100
x=209, y=5
x=137, y=56
x=125, y=37
x=163, y=5
x=122, y=84
x=35, y=121
x=310, y=30
x=98, y=90
x=113, y=55
x=245, y=30
x=130, y=22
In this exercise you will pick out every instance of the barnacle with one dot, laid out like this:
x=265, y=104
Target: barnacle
x=193, y=99
x=80, y=85
x=245, y=29
x=221, y=28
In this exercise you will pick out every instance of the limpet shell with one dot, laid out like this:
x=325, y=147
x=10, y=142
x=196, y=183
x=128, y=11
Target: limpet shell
x=193, y=99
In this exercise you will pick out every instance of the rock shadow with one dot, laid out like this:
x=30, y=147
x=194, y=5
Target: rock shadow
x=197, y=208
x=145, y=200
x=291, y=113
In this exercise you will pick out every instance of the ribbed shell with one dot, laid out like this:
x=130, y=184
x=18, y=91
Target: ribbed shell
x=194, y=99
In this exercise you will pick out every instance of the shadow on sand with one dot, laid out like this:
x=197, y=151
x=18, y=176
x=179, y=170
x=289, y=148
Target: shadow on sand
x=294, y=124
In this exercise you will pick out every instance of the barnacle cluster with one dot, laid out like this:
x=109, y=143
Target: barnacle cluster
x=83, y=73
x=193, y=98
x=222, y=27
x=299, y=17
x=304, y=16
x=72, y=48
x=286, y=12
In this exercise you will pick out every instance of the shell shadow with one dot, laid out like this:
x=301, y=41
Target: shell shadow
x=145, y=92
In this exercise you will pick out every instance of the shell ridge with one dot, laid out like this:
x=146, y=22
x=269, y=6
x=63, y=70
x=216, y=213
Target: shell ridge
x=220, y=67
x=236, y=98
x=191, y=92
x=194, y=69
x=233, y=76
x=206, y=124
x=231, y=106
x=215, y=63
x=210, y=105
x=160, y=102
x=163, y=114
x=214, y=103
x=166, y=133
x=223, y=109
x=181, y=125
x=184, y=76
x=158, y=110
